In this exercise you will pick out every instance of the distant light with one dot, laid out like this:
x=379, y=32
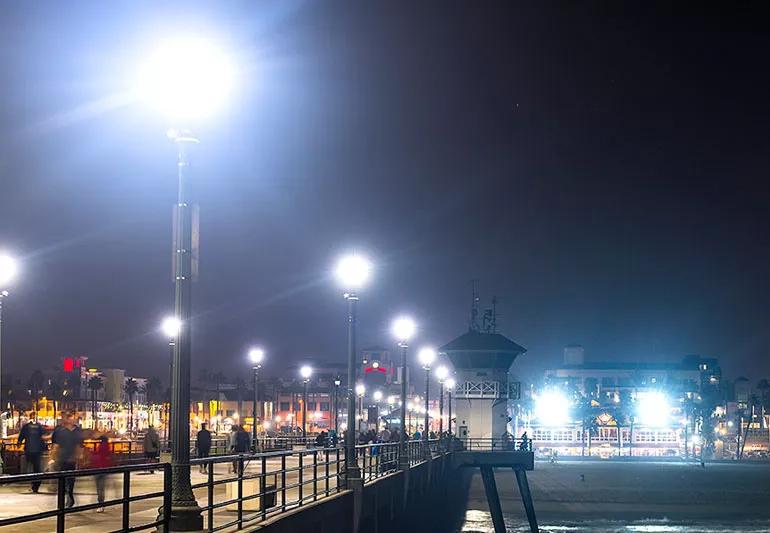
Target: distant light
x=360, y=389
x=8, y=270
x=450, y=384
x=337, y=382
x=353, y=271
x=344, y=426
x=441, y=373
x=653, y=409
x=426, y=356
x=257, y=355
x=403, y=328
x=391, y=400
x=305, y=372
x=171, y=326
x=552, y=408
x=277, y=419
x=186, y=78
x=266, y=425
x=376, y=364
x=377, y=395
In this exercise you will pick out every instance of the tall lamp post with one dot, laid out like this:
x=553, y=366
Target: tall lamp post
x=337, y=383
x=256, y=356
x=305, y=372
x=8, y=270
x=442, y=373
x=352, y=272
x=187, y=79
x=360, y=391
x=450, y=387
x=426, y=357
x=403, y=330
x=171, y=326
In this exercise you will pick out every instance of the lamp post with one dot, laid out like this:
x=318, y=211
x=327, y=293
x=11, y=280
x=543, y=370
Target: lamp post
x=187, y=79
x=360, y=391
x=441, y=374
x=403, y=330
x=450, y=387
x=256, y=355
x=426, y=357
x=171, y=326
x=352, y=272
x=377, y=397
x=8, y=270
x=305, y=372
x=337, y=383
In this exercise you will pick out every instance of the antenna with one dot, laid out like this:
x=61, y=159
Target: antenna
x=474, y=322
x=490, y=317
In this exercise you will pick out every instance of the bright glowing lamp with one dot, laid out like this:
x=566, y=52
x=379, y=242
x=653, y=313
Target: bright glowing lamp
x=653, y=409
x=353, y=271
x=377, y=395
x=426, y=356
x=441, y=373
x=552, y=408
x=305, y=372
x=8, y=270
x=256, y=355
x=450, y=384
x=186, y=78
x=171, y=326
x=403, y=329
x=360, y=389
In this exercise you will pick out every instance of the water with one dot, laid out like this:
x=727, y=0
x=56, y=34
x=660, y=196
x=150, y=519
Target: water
x=481, y=522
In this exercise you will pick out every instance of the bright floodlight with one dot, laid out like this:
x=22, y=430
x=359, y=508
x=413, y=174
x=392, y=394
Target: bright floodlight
x=426, y=357
x=653, y=409
x=552, y=408
x=186, y=78
x=441, y=373
x=377, y=395
x=360, y=389
x=256, y=355
x=8, y=270
x=403, y=328
x=353, y=271
x=450, y=384
x=171, y=326
x=305, y=372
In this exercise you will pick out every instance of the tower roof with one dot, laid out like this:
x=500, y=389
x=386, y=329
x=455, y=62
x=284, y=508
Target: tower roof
x=475, y=349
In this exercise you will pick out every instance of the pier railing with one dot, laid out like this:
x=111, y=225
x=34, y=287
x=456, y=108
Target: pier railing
x=497, y=444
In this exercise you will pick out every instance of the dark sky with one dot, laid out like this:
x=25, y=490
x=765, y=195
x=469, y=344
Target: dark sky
x=601, y=169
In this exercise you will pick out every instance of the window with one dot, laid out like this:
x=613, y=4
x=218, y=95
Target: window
x=284, y=406
x=324, y=406
x=311, y=405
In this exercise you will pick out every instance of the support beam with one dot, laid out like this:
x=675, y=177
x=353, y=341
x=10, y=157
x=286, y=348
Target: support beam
x=493, y=499
x=526, y=498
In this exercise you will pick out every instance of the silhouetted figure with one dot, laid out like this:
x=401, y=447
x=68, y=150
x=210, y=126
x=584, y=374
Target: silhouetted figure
x=67, y=440
x=31, y=436
x=203, y=446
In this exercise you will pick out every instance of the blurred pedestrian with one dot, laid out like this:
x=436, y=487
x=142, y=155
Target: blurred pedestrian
x=101, y=458
x=242, y=445
x=31, y=435
x=67, y=440
x=203, y=446
x=151, y=446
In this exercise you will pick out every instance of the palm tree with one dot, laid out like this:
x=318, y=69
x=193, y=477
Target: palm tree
x=95, y=383
x=55, y=392
x=36, y=384
x=153, y=392
x=131, y=387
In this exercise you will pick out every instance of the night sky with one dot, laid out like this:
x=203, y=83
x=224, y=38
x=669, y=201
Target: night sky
x=601, y=170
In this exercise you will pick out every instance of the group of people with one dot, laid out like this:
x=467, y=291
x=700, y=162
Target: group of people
x=67, y=453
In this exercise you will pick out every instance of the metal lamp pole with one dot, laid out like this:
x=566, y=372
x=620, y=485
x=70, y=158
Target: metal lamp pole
x=441, y=410
x=185, y=513
x=304, y=407
x=254, y=407
x=352, y=471
x=3, y=294
x=171, y=344
x=402, y=438
x=337, y=383
x=427, y=391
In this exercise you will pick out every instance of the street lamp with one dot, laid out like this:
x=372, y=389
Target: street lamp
x=305, y=372
x=171, y=326
x=256, y=356
x=186, y=79
x=403, y=329
x=442, y=373
x=450, y=387
x=360, y=391
x=352, y=272
x=426, y=357
x=377, y=397
x=337, y=383
x=8, y=271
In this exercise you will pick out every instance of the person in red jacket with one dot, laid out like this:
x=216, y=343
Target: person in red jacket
x=101, y=458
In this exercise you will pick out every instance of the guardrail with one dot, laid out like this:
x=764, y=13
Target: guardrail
x=497, y=444
x=125, y=500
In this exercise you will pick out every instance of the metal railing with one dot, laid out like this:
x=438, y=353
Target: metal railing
x=497, y=444
x=263, y=484
x=125, y=500
x=378, y=459
x=121, y=451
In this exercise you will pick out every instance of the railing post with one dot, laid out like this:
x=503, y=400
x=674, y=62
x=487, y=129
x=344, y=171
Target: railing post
x=240, y=492
x=262, y=487
x=166, y=496
x=315, y=475
x=283, y=482
x=210, y=494
x=326, y=463
x=301, y=477
x=126, y=498
x=60, y=489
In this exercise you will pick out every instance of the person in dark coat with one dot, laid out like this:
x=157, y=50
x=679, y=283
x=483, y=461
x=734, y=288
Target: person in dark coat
x=31, y=436
x=151, y=446
x=203, y=446
x=67, y=440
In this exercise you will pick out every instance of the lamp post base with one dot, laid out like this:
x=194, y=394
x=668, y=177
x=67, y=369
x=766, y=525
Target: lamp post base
x=183, y=518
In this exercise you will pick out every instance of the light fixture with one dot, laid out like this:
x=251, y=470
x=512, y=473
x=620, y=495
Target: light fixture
x=552, y=408
x=426, y=356
x=171, y=326
x=8, y=270
x=256, y=355
x=441, y=373
x=450, y=384
x=360, y=389
x=403, y=329
x=353, y=271
x=305, y=372
x=377, y=395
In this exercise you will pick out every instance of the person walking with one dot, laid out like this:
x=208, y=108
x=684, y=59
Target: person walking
x=151, y=446
x=242, y=444
x=67, y=439
x=101, y=458
x=31, y=436
x=203, y=446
